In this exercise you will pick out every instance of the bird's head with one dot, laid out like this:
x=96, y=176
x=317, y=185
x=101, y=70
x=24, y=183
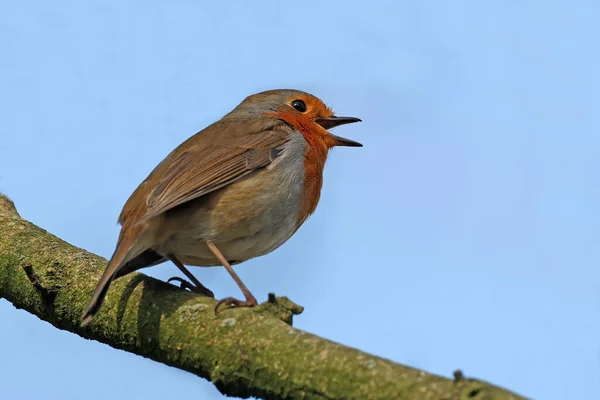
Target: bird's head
x=303, y=111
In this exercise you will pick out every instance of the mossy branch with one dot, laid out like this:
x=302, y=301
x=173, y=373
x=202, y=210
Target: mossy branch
x=244, y=352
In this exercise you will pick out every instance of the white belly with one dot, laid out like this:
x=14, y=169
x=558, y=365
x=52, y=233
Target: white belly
x=251, y=218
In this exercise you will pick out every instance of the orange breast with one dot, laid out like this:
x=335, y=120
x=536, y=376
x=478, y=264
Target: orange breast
x=314, y=162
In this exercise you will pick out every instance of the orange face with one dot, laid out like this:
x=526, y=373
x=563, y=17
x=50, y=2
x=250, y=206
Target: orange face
x=310, y=116
x=309, y=106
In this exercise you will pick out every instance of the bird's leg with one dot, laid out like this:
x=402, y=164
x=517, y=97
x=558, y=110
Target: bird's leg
x=195, y=286
x=230, y=301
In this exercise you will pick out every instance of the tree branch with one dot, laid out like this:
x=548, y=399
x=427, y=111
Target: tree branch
x=244, y=352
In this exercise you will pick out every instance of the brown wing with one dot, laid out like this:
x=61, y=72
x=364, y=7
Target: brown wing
x=213, y=158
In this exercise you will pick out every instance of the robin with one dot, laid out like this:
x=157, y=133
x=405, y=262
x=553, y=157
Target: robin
x=236, y=190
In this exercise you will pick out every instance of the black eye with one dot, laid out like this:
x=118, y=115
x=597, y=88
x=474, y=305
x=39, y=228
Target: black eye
x=299, y=105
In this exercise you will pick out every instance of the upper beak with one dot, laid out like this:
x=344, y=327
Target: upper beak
x=332, y=122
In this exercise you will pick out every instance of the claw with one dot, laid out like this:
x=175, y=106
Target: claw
x=230, y=301
x=183, y=284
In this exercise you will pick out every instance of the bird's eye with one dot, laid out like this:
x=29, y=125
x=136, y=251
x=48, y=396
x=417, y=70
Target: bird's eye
x=299, y=105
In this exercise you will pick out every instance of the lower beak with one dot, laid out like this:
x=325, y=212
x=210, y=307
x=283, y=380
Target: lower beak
x=332, y=122
x=340, y=141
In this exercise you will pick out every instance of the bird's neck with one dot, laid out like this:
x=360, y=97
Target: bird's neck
x=315, y=157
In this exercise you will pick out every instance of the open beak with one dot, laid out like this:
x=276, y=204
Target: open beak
x=332, y=122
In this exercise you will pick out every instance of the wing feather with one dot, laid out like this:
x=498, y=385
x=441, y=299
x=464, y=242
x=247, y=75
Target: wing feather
x=212, y=159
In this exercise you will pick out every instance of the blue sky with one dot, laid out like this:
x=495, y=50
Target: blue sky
x=463, y=235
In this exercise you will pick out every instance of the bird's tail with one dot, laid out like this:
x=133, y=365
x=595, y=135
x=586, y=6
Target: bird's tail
x=113, y=266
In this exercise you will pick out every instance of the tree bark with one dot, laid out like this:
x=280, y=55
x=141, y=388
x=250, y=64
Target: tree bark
x=244, y=352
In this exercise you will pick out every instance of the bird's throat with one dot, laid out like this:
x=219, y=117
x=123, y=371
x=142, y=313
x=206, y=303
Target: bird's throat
x=315, y=157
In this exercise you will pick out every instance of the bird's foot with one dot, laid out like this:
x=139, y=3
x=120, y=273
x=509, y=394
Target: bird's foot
x=232, y=302
x=196, y=288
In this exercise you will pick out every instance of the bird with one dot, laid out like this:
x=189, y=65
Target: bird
x=236, y=190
